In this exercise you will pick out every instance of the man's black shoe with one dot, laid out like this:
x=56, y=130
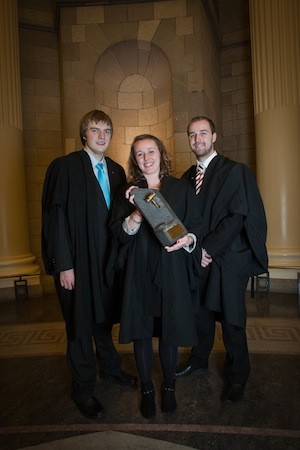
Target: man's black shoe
x=187, y=369
x=91, y=408
x=121, y=377
x=234, y=393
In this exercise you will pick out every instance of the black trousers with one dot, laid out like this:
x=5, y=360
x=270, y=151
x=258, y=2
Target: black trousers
x=237, y=366
x=82, y=361
x=85, y=352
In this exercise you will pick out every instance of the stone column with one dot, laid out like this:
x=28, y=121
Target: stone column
x=276, y=67
x=15, y=256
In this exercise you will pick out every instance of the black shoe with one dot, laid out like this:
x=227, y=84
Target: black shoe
x=148, y=408
x=121, y=377
x=168, y=400
x=234, y=393
x=187, y=369
x=91, y=408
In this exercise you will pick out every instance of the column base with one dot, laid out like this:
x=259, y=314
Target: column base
x=22, y=270
x=284, y=259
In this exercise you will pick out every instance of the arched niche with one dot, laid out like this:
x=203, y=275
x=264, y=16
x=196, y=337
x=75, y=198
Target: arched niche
x=133, y=84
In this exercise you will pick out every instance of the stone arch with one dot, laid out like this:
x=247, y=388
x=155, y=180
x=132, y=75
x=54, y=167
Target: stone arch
x=133, y=84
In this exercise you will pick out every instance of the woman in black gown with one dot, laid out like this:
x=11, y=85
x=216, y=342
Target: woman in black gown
x=157, y=282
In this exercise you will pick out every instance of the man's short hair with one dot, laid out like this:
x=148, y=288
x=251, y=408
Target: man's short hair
x=197, y=118
x=93, y=116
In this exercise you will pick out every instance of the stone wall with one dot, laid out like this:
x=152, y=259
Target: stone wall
x=236, y=83
x=41, y=108
x=150, y=66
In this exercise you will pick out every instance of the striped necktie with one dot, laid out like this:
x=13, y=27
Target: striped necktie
x=102, y=179
x=199, y=179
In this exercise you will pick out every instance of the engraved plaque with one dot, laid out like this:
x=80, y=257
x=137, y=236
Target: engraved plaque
x=156, y=210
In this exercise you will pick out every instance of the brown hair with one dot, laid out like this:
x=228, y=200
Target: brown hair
x=93, y=116
x=197, y=118
x=165, y=160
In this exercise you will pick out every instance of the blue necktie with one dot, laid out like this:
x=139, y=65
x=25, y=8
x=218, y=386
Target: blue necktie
x=102, y=179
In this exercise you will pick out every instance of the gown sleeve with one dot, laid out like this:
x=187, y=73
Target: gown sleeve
x=56, y=241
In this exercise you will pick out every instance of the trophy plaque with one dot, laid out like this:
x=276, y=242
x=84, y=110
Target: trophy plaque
x=166, y=225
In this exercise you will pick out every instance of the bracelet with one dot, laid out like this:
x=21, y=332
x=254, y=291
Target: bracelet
x=135, y=220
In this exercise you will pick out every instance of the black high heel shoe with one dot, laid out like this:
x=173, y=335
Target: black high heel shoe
x=168, y=400
x=148, y=408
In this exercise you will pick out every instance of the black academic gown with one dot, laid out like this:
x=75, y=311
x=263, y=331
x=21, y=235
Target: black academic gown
x=75, y=235
x=234, y=232
x=155, y=282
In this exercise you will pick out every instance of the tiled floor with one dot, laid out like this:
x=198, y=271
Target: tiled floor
x=35, y=385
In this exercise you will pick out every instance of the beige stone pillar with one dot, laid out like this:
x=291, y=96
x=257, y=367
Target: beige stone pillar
x=276, y=67
x=15, y=256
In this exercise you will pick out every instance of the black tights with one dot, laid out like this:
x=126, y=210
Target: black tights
x=143, y=352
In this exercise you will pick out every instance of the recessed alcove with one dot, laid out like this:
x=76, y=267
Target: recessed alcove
x=134, y=86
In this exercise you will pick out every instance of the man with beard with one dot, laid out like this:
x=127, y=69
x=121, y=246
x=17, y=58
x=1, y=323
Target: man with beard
x=232, y=241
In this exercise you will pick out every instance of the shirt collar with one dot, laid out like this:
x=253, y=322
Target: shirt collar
x=206, y=162
x=94, y=161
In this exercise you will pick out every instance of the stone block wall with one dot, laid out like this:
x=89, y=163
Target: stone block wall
x=236, y=83
x=150, y=66
x=237, y=105
x=41, y=109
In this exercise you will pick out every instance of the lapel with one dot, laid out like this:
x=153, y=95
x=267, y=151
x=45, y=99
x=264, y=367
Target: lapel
x=192, y=175
x=210, y=173
x=92, y=185
x=112, y=175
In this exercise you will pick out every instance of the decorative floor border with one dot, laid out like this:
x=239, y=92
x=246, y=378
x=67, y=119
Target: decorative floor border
x=265, y=335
